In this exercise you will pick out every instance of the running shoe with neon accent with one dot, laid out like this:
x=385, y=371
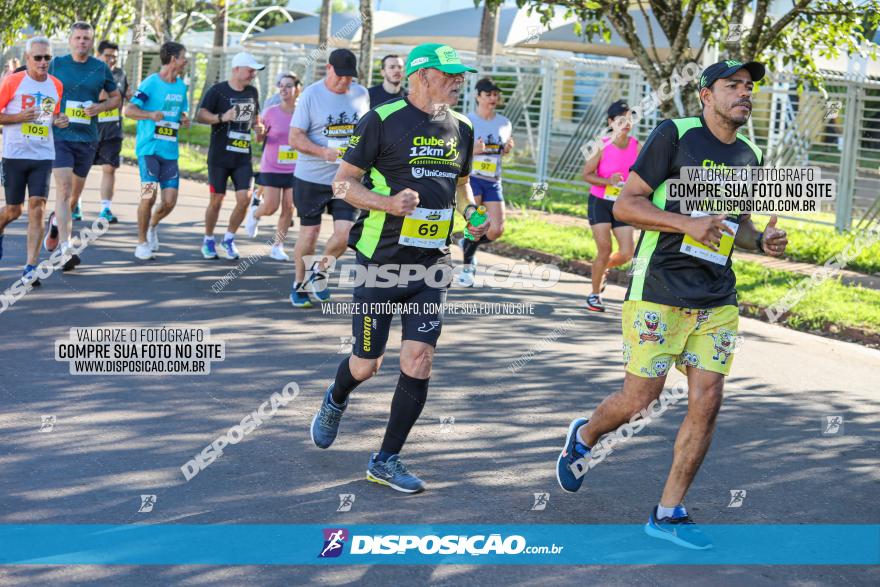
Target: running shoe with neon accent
x=29, y=276
x=682, y=531
x=51, y=240
x=316, y=286
x=209, y=250
x=325, y=424
x=229, y=249
x=299, y=298
x=108, y=216
x=394, y=474
x=77, y=213
x=594, y=303
x=572, y=451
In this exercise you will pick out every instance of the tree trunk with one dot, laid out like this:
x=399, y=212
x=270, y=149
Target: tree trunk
x=137, y=40
x=166, y=24
x=488, y=30
x=323, y=37
x=214, y=69
x=365, y=62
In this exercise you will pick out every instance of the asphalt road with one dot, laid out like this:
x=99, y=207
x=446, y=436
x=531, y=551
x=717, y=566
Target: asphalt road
x=511, y=384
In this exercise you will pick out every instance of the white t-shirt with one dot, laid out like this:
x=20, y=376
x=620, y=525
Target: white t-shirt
x=30, y=140
x=329, y=120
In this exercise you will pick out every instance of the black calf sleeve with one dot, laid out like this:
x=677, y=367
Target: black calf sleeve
x=406, y=406
x=344, y=384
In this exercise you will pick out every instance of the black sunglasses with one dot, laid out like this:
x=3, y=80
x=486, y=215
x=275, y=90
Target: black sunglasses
x=42, y=57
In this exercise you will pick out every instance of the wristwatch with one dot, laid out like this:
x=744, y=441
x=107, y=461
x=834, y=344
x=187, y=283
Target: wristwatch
x=466, y=208
x=759, y=242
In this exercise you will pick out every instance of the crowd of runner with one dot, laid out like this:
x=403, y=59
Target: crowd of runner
x=392, y=167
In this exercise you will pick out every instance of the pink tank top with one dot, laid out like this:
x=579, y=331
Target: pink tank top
x=614, y=160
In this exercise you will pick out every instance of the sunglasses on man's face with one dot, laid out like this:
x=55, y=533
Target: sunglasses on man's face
x=42, y=58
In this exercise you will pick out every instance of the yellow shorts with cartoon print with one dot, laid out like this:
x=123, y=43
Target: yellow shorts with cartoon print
x=655, y=336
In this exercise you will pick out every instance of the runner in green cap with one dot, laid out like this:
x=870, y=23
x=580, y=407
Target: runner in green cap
x=419, y=152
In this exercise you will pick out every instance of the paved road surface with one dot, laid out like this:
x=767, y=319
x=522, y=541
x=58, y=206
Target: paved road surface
x=117, y=437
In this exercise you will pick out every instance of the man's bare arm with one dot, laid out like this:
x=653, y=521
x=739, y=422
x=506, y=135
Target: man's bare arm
x=634, y=207
x=354, y=192
x=464, y=195
x=299, y=140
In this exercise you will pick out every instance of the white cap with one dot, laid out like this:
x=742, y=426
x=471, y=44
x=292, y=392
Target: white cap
x=246, y=60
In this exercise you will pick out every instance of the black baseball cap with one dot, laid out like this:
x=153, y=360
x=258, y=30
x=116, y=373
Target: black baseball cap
x=618, y=108
x=724, y=69
x=487, y=85
x=344, y=62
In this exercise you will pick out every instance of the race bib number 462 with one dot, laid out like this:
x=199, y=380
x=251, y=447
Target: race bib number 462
x=239, y=142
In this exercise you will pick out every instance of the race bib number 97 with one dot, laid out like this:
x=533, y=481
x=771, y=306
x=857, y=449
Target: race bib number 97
x=426, y=228
x=485, y=166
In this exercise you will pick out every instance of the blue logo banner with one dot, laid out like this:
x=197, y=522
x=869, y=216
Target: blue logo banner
x=244, y=544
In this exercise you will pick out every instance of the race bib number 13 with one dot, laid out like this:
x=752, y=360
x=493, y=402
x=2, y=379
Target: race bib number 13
x=426, y=228
x=286, y=155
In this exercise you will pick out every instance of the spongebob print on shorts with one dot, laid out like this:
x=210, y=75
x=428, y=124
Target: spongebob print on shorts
x=656, y=337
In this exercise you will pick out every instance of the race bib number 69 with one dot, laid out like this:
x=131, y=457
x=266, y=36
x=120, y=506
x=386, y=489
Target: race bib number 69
x=426, y=228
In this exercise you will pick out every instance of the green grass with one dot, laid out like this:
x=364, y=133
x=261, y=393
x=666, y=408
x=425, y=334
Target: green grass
x=829, y=303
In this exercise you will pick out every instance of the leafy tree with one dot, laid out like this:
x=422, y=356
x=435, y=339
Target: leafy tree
x=809, y=29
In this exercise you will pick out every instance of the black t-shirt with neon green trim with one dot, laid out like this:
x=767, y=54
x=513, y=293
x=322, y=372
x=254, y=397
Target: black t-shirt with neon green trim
x=404, y=147
x=662, y=273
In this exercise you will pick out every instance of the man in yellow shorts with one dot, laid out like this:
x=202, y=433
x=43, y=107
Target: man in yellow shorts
x=681, y=306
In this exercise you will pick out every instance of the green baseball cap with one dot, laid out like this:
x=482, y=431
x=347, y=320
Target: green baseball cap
x=437, y=56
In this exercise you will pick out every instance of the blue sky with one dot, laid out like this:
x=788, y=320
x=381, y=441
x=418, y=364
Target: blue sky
x=415, y=7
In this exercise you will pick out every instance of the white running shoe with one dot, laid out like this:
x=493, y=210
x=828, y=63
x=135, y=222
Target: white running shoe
x=278, y=254
x=143, y=252
x=251, y=224
x=466, y=277
x=153, y=238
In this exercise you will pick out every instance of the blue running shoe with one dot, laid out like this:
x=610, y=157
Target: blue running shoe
x=393, y=473
x=316, y=286
x=77, y=213
x=209, y=250
x=299, y=298
x=572, y=452
x=325, y=424
x=682, y=531
x=29, y=276
x=230, y=249
x=107, y=215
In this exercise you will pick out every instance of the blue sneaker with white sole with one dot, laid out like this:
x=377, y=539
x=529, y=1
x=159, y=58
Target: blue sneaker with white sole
x=325, y=424
x=316, y=285
x=680, y=530
x=393, y=473
x=299, y=298
x=572, y=451
x=209, y=250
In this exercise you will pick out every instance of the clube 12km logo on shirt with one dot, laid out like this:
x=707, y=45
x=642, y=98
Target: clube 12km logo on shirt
x=336, y=538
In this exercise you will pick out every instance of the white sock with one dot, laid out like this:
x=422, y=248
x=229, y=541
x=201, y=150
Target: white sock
x=209, y=238
x=277, y=247
x=106, y=204
x=581, y=438
x=664, y=512
x=228, y=236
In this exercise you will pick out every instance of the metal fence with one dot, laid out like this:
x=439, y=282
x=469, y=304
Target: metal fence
x=558, y=105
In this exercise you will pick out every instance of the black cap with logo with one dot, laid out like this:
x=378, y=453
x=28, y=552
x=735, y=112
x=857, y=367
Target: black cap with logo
x=344, y=62
x=487, y=85
x=618, y=108
x=724, y=69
